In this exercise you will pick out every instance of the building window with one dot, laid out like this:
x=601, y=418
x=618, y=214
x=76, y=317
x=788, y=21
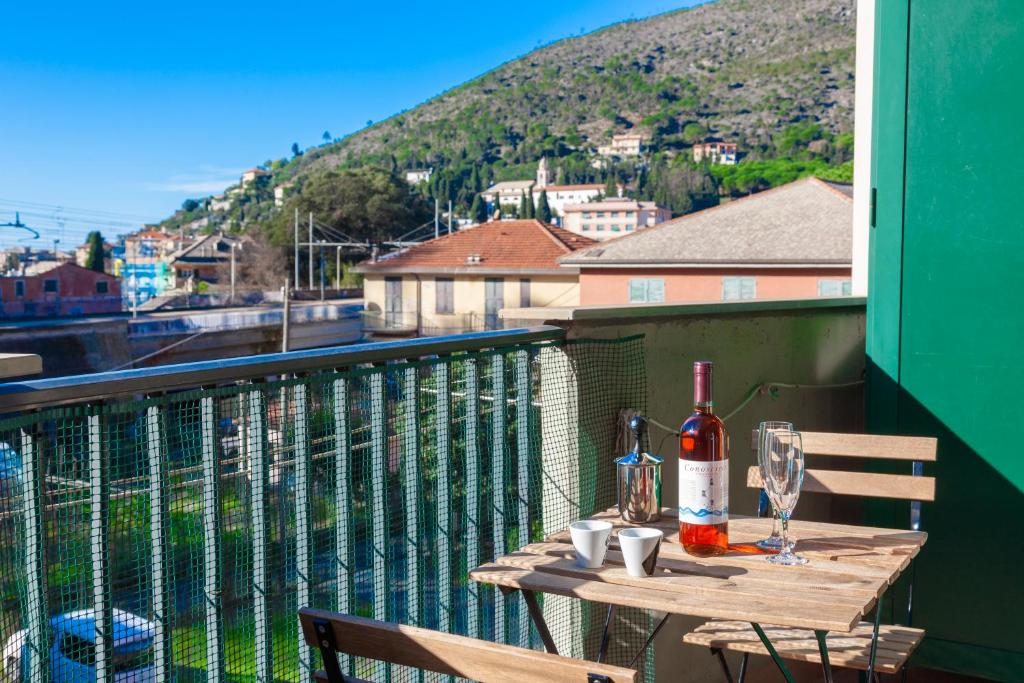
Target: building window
x=600, y=227
x=736, y=288
x=615, y=214
x=629, y=228
x=600, y=214
x=586, y=214
x=19, y=288
x=445, y=290
x=102, y=287
x=524, y=293
x=834, y=287
x=646, y=290
x=50, y=286
x=615, y=227
x=629, y=214
x=586, y=227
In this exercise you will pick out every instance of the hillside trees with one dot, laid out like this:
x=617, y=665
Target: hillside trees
x=366, y=203
x=681, y=187
x=259, y=264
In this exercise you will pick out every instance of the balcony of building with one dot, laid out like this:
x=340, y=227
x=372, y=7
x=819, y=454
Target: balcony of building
x=214, y=499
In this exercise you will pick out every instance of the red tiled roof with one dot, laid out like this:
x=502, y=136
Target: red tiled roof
x=148, y=235
x=569, y=188
x=528, y=245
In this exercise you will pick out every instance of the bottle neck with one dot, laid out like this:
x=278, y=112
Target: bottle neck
x=702, y=395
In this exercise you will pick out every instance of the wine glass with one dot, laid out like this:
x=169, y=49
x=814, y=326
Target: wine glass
x=773, y=542
x=784, y=465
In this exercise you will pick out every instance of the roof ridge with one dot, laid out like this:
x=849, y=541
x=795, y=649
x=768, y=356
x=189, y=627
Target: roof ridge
x=554, y=238
x=704, y=212
x=824, y=184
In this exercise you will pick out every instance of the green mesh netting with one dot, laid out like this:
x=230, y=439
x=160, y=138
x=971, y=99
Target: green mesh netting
x=183, y=531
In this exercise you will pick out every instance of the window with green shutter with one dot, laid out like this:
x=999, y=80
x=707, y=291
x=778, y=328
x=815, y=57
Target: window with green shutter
x=646, y=290
x=735, y=288
x=834, y=287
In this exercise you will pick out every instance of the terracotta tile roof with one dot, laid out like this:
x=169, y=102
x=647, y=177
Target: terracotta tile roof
x=569, y=188
x=148, y=235
x=507, y=245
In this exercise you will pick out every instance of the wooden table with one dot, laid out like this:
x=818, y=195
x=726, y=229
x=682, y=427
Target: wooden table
x=849, y=571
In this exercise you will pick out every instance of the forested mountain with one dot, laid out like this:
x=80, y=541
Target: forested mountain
x=775, y=76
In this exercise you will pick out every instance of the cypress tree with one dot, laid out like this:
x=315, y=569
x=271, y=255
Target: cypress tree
x=543, y=210
x=524, y=206
x=478, y=210
x=94, y=260
x=611, y=187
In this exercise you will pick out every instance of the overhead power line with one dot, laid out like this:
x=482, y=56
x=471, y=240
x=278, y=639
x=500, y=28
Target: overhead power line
x=74, y=210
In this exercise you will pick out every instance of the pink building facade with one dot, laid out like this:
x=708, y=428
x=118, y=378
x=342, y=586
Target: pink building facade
x=794, y=241
x=608, y=287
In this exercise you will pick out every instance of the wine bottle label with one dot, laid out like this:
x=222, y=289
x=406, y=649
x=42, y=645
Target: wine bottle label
x=704, y=491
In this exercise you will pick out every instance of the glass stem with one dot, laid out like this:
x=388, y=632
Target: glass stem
x=785, y=533
x=775, y=523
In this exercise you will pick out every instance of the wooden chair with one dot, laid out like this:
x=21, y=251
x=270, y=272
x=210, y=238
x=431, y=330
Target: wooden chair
x=852, y=650
x=443, y=653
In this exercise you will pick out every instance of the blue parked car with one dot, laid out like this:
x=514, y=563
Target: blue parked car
x=73, y=650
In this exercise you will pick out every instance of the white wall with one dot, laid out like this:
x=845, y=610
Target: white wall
x=862, y=140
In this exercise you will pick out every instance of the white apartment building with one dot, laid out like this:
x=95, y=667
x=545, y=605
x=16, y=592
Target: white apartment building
x=606, y=220
x=418, y=175
x=510, y=192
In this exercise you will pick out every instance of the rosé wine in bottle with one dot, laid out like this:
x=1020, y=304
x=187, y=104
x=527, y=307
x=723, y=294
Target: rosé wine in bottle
x=703, y=473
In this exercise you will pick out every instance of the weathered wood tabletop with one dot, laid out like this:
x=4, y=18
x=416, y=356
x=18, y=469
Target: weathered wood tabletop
x=849, y=568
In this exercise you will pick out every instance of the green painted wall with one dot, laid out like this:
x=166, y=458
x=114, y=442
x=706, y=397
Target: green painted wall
x=945, y=330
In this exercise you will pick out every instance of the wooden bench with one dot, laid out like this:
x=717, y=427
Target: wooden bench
x=443, y=653
x=848, y=650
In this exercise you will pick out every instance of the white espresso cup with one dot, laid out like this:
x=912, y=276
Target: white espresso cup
x=640, y=547
x=590, y=538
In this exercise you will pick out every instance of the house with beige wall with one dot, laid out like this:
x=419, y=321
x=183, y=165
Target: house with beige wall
x=459, y=282
x=792, y=241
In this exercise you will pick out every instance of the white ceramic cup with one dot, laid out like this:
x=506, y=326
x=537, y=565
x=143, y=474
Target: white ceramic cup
x=590, y=538
x=640, y=547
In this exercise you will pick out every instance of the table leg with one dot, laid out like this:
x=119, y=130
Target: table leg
x=779, y=662
x=605, y=633
x=538, y=620
x=650, y=639
x=743, y=667
x=717, y=652
x=874, y=638
x=826, y=666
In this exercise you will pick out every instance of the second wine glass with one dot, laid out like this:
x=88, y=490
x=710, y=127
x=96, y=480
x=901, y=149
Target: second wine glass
x=784, y=467
x=774, y=541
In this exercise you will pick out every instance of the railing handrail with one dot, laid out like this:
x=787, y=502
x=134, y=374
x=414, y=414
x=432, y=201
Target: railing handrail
x=99, y=386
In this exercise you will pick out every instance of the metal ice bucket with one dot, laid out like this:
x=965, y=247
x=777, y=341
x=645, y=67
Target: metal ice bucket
x=639, y=480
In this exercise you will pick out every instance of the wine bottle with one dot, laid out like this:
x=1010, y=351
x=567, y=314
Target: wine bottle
x=703, y=473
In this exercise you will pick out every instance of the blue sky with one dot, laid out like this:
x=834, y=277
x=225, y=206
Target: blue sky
x=119, y=111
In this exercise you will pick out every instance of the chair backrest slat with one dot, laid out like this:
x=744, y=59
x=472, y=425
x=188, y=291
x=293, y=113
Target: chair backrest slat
x=899, y=486
x=450, y=654
x=874, y=446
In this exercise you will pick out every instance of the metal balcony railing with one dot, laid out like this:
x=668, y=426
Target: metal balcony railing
x=200, y=506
